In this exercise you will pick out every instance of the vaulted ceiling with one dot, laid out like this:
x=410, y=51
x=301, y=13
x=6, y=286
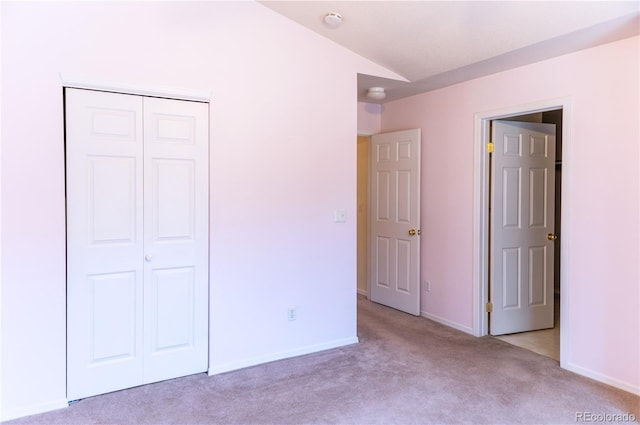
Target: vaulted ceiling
x=433, y=44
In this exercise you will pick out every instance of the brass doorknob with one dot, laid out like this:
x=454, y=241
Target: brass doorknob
x=552, y=237
x=414, y=232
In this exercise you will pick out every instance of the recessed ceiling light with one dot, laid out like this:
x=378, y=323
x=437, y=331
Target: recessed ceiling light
x=333, y=20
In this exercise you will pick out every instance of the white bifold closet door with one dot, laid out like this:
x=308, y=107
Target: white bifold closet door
x=137, y=240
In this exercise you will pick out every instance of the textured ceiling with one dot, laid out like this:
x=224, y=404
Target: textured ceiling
x=433, y=44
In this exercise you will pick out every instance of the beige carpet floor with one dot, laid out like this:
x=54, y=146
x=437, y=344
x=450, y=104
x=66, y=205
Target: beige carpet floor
x=405, y=370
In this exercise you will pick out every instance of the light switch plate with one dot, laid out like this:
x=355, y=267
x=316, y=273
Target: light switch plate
x=340, y=216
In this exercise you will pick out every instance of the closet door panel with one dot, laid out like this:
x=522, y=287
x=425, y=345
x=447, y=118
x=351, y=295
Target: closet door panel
x=176, y=238
x=104, y=153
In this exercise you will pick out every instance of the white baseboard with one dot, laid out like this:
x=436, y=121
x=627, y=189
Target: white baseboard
x=9, y=413
x=363, y=292
x=625, y=386
x=597, y=376
x=446, y=322
x=228, y=367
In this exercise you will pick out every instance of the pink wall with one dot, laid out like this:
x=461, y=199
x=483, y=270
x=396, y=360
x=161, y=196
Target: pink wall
x=601, y=208
x=283, y=158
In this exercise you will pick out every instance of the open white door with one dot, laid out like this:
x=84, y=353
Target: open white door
x=137, y=240
x=522, y=227
x=394, y=245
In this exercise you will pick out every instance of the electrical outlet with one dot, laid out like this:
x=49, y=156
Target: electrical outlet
x=292, y=314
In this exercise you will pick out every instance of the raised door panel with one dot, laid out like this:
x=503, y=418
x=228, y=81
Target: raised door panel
x=511, y=197
x=403, y=266
x=112, y=194
x=172, y=310
x=511, y=272
x=383, y=196
x=173, y=200
x=538, y=275
x=112, y=317
x=383, y=262
x=538, y=187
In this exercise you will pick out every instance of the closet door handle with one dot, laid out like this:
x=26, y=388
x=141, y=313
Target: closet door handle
x=148, y=258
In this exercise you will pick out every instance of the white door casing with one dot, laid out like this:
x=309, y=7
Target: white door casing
x=394, y=246
x=522, y=218
x=137, y=240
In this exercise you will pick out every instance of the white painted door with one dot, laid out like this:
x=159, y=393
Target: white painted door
x=176, y=223
x=104, y=242
x=522, y=227
x=394, y=265
x=137, y=232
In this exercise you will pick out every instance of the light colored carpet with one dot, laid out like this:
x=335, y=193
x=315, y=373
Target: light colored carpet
x=405, y=370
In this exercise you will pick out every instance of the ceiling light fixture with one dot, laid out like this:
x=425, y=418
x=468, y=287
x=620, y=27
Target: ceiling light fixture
x=376, y=93
x=333, y=20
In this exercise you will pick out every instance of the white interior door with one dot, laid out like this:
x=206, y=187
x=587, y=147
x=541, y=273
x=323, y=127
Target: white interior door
x=522, y=227
x=104, y=242
x=176, y=223
x=394, y=265
x=137, y=240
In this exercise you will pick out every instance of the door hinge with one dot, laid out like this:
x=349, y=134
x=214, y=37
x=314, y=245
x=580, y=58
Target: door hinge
x=491, y=147
x=489, y=307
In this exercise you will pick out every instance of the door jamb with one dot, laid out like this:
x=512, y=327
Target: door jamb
x=480, y=270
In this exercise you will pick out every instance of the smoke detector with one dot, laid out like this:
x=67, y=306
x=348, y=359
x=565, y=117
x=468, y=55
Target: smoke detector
x=332, y=20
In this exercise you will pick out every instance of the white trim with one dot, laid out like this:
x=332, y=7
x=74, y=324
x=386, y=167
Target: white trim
x=309, y=349
x=606, y=379
x=480, y=222
x=118, y=87
x=364, y=292
x=32, y=409
x=446, y=322
x=480, y=257
x=566, y=225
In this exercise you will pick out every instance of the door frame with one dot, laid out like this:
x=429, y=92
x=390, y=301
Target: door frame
x=480, y=272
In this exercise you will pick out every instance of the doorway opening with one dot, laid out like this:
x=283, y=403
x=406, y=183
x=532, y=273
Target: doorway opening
x=557, y=112
x=389, y=177
x=362, y=214
x=544, y=341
